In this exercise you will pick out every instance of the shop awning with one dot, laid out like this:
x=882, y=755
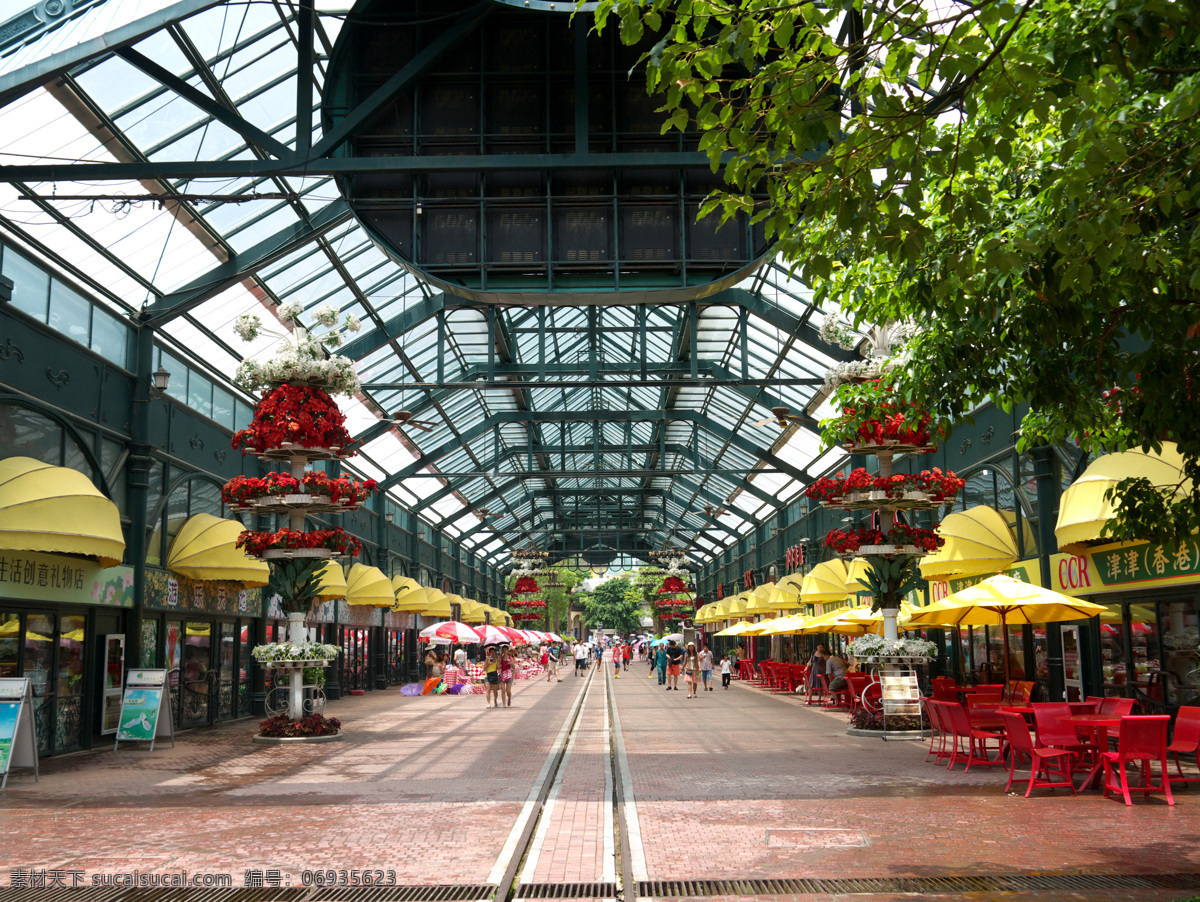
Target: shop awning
x=472, y=611
x=736, y=608
x=368, y=586
x=825, y=582
x=437, y=604
x=205, y=548
x=978, y=541
x=785, y=626
x=333, y=581
x=57, y=510
x=856, y=575
x=793, y=582
x=1083, y=509
x=409, y=595
x=757, y=600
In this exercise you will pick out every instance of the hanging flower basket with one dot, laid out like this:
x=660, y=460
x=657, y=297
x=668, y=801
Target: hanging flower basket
x=294, y=419
x=673, y=585
x=525, y=585
x=291, y=543
x=873, y=417
x=900, y=539
x=888, y=550
x=900, y=491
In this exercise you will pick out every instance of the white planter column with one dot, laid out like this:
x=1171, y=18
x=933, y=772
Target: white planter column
x=890, y=630
x=296, y=634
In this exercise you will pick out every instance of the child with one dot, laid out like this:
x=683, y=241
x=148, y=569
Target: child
x=726, y=672
x=616, y=659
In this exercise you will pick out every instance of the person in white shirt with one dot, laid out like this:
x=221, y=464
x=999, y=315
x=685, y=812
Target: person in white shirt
x=581, y=653
x=726, y=672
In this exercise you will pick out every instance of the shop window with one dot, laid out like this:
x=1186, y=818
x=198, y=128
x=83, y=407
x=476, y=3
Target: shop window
x=38, y=666
x=110, y=338
x=10, y=647
x=31, y=285
x=68, y=715
x=1181, y=650
x=26, y=433
x=1143, y=642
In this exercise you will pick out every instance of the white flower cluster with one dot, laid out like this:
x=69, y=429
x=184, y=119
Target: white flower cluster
x=871, y=645
x=302, y=357
x=247, y=326
x=294, y=651
x=853, y=371
x=837, y=331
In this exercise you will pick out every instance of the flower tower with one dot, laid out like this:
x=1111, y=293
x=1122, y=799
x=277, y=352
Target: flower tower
x=674, y=603
x=873, y=419
x=296, y=422
x=525, y=605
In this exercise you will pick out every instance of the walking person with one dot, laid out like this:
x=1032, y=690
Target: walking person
x=616, y=659
x=674, y=660
x=726, y=672
x=552, y=664
x=491, y=673
x=691, y=669
x=628, y=654
x=706, y=668
x=580, y=658
x=660, y=661
x=506, y=671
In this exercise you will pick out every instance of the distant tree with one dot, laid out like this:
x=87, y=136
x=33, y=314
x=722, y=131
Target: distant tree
x=614, y=605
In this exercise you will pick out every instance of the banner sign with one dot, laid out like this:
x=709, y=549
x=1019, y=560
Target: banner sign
x=145, y=709
x=18, y=745
x=34, y=576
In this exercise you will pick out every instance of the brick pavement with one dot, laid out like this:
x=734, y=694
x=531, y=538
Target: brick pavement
x=429, y=787
x=740, y=784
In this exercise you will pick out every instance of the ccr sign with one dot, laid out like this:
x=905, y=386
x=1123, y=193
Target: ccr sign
x=1074, y=574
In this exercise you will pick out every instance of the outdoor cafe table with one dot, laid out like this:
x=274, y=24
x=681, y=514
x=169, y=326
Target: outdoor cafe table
x=1099, y=724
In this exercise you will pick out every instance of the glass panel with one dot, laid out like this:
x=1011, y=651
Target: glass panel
x=68, y=722
x=1181, y=654
x=173, y=658
x=31, y=285
x=222, y=407
x=177, y=514
x=1112, y=650
x=39, y=663
x=70, y=312
x=177, y=384
x=10, y=639
x=197, y=673
x=206, y=499
x=25, y=433
x=149, y=643
x=114, y=666
x=1143, y=645
x=225, y=672
x=110, y=338
x=243, y=413
x=199, y=396
x=244, y=666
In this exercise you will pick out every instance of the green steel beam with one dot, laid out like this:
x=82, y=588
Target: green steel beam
x=256, y=169
x=217, y=110
x=305, y=31
x=420, y=312
x=243, y=265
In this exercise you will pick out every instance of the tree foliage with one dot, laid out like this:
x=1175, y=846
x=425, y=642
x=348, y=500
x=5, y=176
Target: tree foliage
x=1022, y=180
x=614, y=605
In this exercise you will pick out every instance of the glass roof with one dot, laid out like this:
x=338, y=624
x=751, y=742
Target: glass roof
x=504, y=463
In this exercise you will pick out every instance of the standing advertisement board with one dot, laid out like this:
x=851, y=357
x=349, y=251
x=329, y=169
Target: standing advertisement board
x=145, y=709
x=18, y=746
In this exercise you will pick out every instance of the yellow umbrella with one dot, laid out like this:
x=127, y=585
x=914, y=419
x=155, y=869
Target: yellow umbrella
x=825, y=582
x=783, y=599
x=368, y=586
x=1003, y=601
x=333, y=581
x=206, y=548
x=977, y=541
x=57, y=510
x=873, y=621
x=738, y=629
x=1083, y=510
x=831, y=622
x=784, y=626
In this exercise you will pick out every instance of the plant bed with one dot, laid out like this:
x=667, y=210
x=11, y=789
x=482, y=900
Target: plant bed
x=288, y=740
x=310, y=727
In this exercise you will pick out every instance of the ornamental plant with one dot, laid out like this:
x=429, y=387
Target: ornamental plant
x=525, y=585
x=673, y=585
x=303, y=356
x=281, y=727
x=303, y=415
x=335, y=539
x=294, y=651
x=871, y=645
x=873, y=413
x=241, y=491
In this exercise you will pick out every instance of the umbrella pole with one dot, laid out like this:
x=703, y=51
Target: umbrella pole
x=1004, y=626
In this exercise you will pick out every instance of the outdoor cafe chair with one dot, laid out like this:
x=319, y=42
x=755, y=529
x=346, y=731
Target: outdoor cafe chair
x=858, y=683
x=1141, y=739
x=1020, y=742
x=976, y=748
x=938, y=730
x=1117, y=707
x=1186, y=740
x=818, y=688
x=1053, y=734
x=799, y=676
x=945, y=690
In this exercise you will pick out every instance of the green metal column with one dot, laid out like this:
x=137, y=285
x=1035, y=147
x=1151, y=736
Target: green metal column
x=137, y=487
x=1047, y=507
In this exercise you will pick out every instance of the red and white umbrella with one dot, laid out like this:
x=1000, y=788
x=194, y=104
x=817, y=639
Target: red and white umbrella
x=493, y=635
x=555, y=637
x=452, y=630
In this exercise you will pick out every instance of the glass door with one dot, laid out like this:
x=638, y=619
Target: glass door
x=10, y=644
x=1072, y=665
x=38, y=666
x=114, y=670
x=197, y=678
x=245, y=663
x=225, y=673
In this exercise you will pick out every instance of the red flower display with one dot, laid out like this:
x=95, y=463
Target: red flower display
x=526, y=603
x=524, y=585
x=872, y=413
x=849, y=541
x=242, y=490
x=941, y=487
x=524, y=616
x=672, y=585
x=335, y=539
x=295, y=414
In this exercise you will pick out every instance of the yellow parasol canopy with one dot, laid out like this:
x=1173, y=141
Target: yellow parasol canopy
x=333, y=581
x=368, y=586
x=756, y=600
x=205, y=548
x=977, y=541
x=1003, y=601
x=437, y=604
x=410, y=595
x=825, y=582
x=784, y=626
x=1083, y=509
x=833, y=622
x=57, y=510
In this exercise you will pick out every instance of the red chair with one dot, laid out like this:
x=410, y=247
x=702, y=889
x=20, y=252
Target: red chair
x=1186, y=740
x=1117, y=707
x=976, y=740
x=1020, y=742
x=1141, y=739
x=818, y=688
x=840, y=698
x=944, y=690
x=858, y=683
x=938, y=731
x=799, y=676
x=1051, y=733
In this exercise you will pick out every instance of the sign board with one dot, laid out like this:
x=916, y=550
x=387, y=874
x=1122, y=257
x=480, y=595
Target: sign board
x=18, y=746
x=901, y=694
x=145, y=709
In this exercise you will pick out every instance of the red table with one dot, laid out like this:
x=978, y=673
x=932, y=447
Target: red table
x=1099, y=724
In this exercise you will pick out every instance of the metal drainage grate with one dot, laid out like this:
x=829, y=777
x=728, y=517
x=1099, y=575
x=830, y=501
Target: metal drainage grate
x=462, y=892
x=1006, y=883
x=566, y=891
